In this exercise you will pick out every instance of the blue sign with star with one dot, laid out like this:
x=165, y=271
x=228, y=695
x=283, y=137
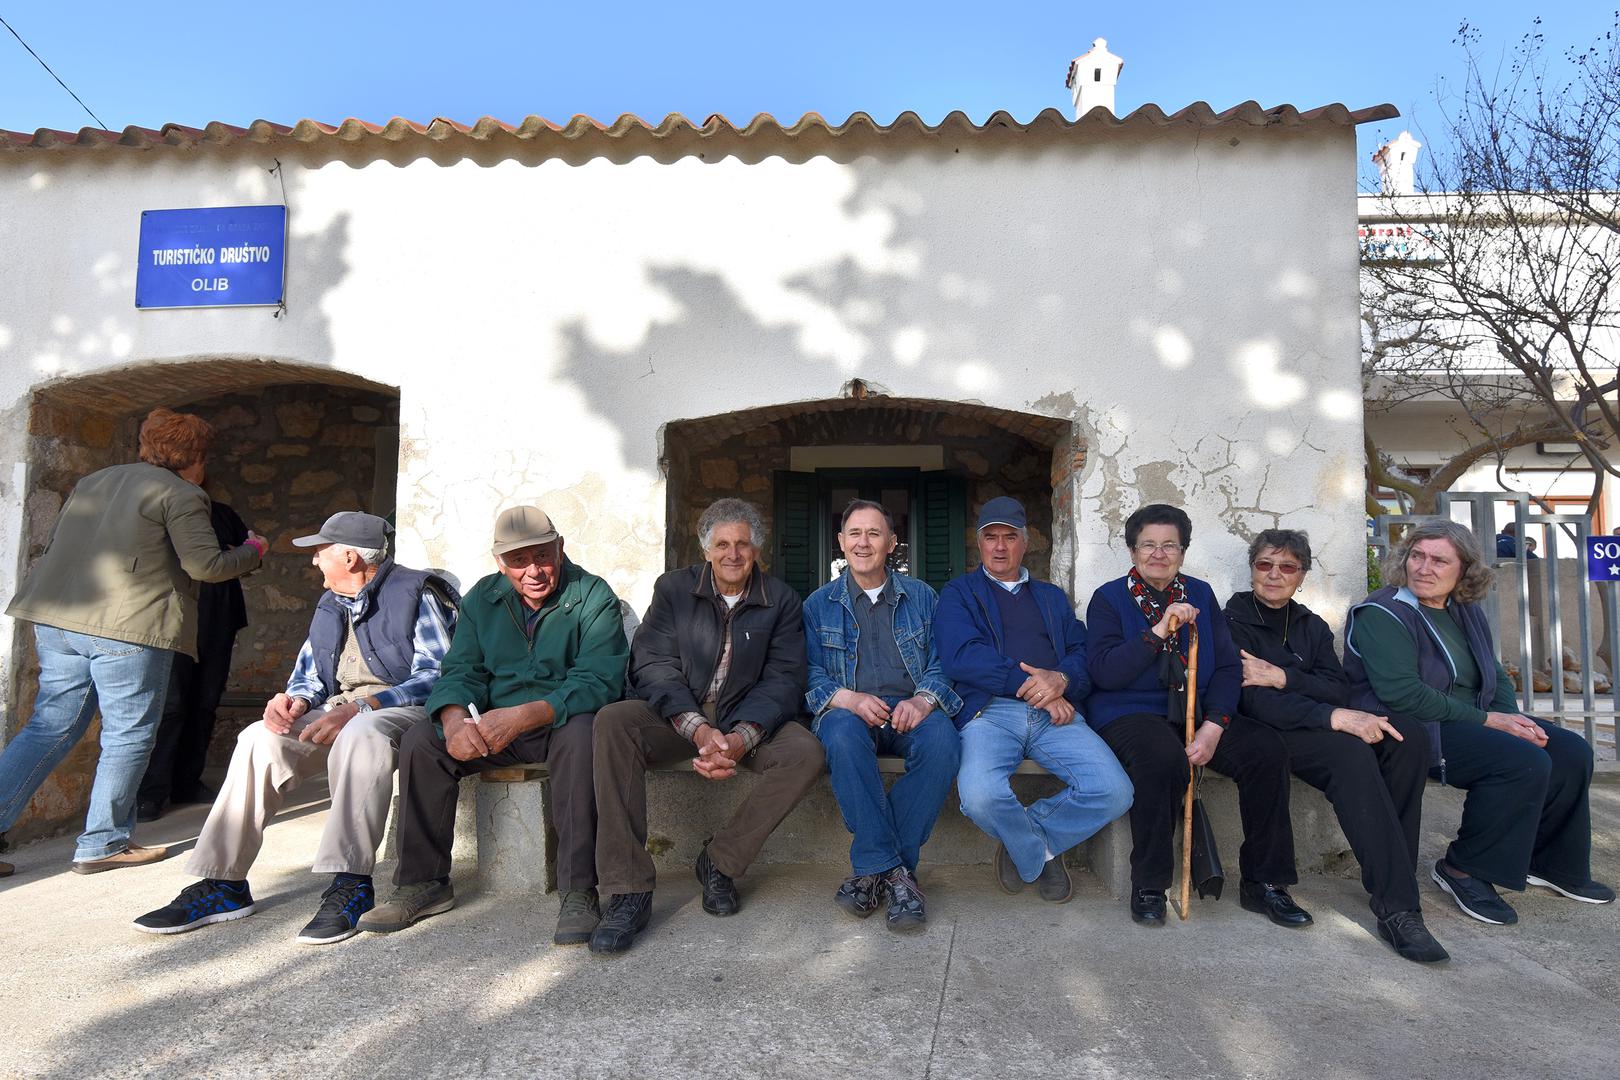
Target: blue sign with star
x=1603, y=558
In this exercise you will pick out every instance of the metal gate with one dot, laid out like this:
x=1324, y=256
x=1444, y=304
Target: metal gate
x=1537, y=577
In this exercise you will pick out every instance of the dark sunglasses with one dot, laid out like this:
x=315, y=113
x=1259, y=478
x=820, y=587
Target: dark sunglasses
x=1287, y=569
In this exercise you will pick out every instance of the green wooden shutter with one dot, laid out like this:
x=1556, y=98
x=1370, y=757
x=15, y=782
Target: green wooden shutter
x=795, y=558
x=942, y=521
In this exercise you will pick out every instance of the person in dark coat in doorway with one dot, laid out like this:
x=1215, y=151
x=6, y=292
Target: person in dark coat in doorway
x=174, y=771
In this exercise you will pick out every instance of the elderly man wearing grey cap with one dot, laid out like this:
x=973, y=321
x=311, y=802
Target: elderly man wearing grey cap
x=375, y=645
x=539, y=650
x=1017, y=655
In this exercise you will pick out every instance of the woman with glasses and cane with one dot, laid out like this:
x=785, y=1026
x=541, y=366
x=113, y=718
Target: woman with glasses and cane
x=1135, y=659
x=1370, y=767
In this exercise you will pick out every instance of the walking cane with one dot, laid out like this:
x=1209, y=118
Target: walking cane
x=1187, y=802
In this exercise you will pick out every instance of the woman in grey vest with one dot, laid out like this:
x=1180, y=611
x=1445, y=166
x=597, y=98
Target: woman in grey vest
x=1420, y=649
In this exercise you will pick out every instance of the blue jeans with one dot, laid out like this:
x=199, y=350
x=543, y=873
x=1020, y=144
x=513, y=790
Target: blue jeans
x=76, y=672
x=890, y=829
x=1005, y=732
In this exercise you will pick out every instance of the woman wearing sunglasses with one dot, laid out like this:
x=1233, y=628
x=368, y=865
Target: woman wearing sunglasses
x=1133, y=659
x=1371, y=768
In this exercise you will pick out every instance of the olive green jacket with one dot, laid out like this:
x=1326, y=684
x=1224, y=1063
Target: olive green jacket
x=124, y=560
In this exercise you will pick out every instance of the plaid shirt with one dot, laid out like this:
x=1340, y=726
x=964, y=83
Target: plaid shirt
x=688, y=722
x=433, y=625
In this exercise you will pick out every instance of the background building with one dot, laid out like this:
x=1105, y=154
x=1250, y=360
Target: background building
x=623, y=321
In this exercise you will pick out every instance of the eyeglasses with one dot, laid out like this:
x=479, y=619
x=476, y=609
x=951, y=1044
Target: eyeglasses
x=1286, y=569
x=1170, y=548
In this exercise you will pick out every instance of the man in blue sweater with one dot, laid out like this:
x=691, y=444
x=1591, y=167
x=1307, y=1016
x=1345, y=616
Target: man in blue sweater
x=1017, y=656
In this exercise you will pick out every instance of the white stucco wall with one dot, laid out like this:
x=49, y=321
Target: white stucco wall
x=1187, y=298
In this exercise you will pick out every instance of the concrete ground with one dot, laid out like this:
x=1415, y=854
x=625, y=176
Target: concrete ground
x=997, y=986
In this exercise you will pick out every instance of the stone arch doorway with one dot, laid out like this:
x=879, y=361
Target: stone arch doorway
x=931, y=463
x=295, y=443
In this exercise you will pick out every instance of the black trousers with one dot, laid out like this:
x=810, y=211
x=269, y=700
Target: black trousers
x=1154, y=754
x=430, y=781
x=1377, y=793
x=181, y=751
x=1528, y=808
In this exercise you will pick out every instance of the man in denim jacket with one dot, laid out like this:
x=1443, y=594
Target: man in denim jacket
x=876, y=688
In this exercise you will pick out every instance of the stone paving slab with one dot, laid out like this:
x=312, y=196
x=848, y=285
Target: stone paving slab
x=997, y=986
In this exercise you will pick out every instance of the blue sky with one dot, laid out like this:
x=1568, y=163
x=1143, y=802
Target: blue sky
x=168, y=61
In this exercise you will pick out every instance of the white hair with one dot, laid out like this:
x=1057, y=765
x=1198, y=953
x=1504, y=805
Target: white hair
x=369, y=556
x=728, y=512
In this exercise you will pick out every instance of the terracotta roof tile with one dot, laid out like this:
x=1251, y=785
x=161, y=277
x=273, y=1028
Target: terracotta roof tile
x=681, y=134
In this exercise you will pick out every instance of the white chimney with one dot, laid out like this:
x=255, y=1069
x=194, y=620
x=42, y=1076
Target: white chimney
x=1092, y=77
x=1395, y=160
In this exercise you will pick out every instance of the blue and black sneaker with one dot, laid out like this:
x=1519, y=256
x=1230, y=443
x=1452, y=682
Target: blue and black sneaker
x=342, y=904
x=203, y=902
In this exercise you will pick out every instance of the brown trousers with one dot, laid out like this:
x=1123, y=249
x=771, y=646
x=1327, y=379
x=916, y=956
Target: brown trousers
x=630, y=737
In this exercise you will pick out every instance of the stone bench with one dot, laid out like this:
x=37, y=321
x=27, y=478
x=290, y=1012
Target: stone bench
x=504, y=816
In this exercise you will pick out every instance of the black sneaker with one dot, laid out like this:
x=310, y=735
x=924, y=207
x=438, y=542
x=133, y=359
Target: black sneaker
x=859, y=895
x=148, y=810
x=342, y=904
x=626, y=916
x=1407, y=935
x=1590, y=892
x=200, y=903
x=907, y=905
x=719, y=891
x=1476, y=898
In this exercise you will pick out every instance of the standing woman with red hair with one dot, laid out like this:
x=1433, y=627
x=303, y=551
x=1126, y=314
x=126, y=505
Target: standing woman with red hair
x=112, y=600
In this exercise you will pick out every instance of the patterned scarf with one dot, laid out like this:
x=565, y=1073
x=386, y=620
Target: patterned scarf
x=1173, y=668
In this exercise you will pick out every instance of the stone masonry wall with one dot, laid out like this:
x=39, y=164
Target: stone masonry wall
x=994, y=460
x=284, y=458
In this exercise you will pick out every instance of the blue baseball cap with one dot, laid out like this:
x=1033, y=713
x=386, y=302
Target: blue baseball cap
x=1002, y=510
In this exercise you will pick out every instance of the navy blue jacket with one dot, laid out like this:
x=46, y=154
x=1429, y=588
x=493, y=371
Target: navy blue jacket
x=1124, y=657
x=385, y=627
x=968, y=631
x=1435, y=665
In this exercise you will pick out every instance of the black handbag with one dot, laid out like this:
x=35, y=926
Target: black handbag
x=1207, y=876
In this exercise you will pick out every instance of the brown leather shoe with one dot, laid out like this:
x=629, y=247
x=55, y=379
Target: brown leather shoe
x=6, y=869
x=134, y=855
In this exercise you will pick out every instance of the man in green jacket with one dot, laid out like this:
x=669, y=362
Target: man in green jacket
x=539, y=649
x=112, y=600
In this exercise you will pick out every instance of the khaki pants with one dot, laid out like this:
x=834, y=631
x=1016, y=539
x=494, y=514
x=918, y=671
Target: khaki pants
x=630, y=736
x=266, y=767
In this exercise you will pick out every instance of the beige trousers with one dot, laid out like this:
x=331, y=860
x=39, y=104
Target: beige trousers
x=266, y=767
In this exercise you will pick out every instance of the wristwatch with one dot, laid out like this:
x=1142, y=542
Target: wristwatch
x=362, y=705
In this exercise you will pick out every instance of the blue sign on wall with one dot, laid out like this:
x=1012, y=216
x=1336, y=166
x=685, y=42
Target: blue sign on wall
x=1603, y=558
x=215, y=257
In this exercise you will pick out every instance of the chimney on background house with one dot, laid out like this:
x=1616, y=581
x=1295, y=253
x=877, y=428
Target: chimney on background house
x=1092, y=77
x=1396, y=160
